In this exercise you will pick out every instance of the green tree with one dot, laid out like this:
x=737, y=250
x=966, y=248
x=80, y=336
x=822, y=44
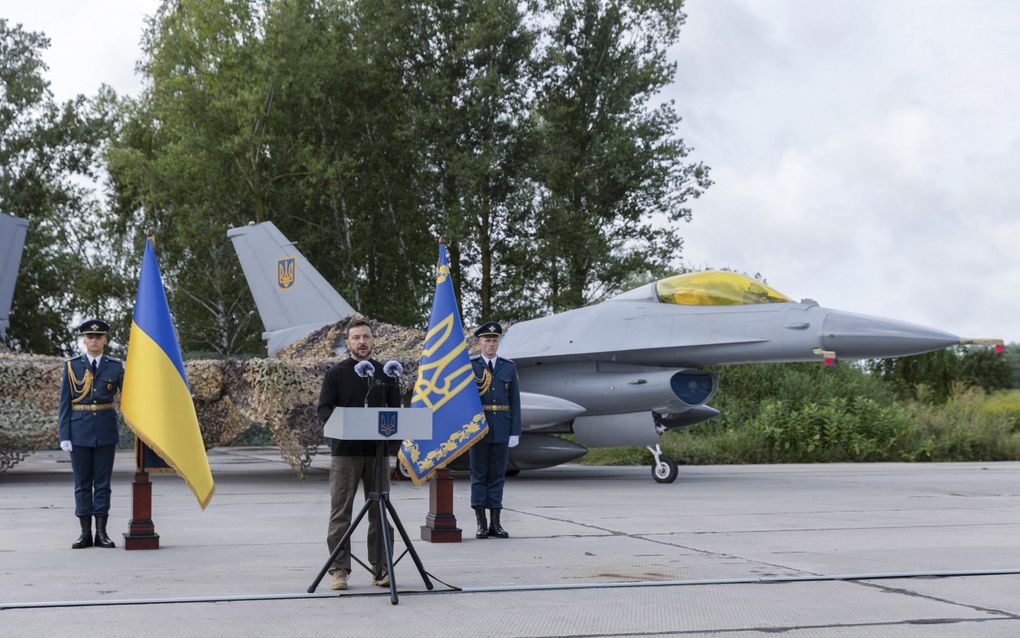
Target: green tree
x=934, y=376
x=49, y=157
x=191, y=159
x=365, y=129
x=468, y=69
x=276, y=111
x=612, y=174
x=366, y=182
x=1013, y=355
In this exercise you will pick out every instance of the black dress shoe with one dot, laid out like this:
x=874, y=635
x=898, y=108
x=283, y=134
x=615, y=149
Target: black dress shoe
x=495, y=529
x=85, y=539
x=102, y=540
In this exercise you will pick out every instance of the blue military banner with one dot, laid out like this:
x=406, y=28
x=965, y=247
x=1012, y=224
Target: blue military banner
x=446, y=385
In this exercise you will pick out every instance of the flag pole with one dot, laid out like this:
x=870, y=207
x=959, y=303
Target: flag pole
x=141, y=532
x=441, y=523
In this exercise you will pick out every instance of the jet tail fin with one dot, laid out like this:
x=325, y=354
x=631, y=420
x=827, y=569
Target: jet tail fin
x=12, y=241
x=292, y=298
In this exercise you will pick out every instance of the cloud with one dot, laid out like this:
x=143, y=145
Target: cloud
x=864, y=154
x=91, y=43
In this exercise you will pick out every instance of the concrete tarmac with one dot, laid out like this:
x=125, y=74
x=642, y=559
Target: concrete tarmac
x=837, y=550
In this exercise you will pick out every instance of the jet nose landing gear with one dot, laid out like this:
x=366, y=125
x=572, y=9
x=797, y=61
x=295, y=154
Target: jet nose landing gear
x=664, y=469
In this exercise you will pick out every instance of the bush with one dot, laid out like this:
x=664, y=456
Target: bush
x=801, y=413
x=971, y=426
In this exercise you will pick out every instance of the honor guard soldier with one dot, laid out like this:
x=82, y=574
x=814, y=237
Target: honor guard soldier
x=501, y=399
x=88, y=429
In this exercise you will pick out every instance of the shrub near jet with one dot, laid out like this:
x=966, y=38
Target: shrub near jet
x=620, y=372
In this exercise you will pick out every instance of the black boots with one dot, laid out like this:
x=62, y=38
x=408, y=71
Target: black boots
x=102, y=540
x=495, y=529
x=486, y=529
x=483, y=526
x=85, y=540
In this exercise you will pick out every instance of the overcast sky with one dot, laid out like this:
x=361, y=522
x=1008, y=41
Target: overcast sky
x=865, y=154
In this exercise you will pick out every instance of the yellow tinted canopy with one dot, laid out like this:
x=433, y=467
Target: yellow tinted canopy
x=715, y=288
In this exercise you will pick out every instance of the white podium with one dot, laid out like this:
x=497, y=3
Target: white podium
x=379, y=424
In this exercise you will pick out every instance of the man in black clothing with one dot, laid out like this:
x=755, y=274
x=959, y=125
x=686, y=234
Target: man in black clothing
x=354, y=461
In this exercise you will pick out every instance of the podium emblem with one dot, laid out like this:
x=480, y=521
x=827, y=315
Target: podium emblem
x=387, y=423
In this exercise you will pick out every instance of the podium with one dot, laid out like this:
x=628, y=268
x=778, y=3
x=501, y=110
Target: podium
x=381, y=425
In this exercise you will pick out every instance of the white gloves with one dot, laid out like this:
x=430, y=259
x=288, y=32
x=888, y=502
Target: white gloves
x=66, y=446
x=514, y=440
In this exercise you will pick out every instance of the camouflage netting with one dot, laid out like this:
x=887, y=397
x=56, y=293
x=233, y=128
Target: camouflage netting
x=231, y=395
x=30, y=391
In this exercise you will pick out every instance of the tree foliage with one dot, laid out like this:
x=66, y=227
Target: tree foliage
x=49, y=161
x=935, y=376
x=522, y=134
x=613, y=179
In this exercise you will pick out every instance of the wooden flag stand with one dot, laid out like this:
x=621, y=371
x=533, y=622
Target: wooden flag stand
x=441, y=523
x=141, y=532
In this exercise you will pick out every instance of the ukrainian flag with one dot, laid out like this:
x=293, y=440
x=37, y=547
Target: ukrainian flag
x=446, y=385
x=156, y=399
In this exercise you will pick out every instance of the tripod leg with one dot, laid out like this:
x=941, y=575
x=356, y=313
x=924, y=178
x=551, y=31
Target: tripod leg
x=410, y=547
x=344, y=540
x=388, y=546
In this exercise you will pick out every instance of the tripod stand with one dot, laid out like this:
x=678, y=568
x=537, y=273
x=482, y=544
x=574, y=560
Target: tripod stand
x=381, y=500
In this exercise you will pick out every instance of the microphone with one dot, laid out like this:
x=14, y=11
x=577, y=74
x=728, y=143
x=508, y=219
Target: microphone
x=366, y=370
x=392, y=368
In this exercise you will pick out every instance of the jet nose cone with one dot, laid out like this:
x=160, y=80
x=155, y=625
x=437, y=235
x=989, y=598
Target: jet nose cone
x=863, y=337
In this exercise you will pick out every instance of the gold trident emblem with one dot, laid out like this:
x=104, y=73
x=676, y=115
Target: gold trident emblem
x=286, y=271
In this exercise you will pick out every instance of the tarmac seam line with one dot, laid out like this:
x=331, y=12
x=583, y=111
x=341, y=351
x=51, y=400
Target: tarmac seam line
x=781, y=629
x=916, y=594
x=767, y=580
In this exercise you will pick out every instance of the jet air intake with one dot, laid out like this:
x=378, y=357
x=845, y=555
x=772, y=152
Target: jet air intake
x=692, y=387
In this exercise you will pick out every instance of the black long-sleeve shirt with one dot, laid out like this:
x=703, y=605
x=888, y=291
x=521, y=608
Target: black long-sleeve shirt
x=342, y=387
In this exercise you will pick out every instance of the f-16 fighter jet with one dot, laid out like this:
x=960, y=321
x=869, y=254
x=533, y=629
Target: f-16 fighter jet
x=620, y=372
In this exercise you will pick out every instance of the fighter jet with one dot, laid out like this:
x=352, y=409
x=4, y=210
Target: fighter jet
x=623, y=371
x=12, y=240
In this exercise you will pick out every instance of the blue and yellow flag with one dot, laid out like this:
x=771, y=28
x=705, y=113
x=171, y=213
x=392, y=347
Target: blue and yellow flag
x=156, y=400
x=446, y=385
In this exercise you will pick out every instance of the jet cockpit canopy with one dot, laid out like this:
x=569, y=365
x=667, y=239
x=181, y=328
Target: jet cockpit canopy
x=706, y=288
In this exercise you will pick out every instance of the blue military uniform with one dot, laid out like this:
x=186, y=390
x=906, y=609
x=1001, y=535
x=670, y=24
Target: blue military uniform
x=501, y=400
x=88, y=420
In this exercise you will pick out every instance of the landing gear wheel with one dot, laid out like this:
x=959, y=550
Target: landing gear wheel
x=399, y=473
x=665, y=470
